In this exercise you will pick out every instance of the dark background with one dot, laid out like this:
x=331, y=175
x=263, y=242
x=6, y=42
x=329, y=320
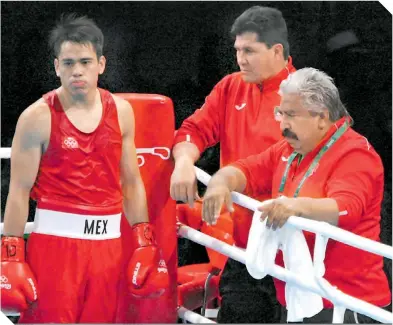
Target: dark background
x=181, y=49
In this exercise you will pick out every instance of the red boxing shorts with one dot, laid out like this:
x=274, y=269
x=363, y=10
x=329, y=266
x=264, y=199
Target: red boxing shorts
x=76, y=260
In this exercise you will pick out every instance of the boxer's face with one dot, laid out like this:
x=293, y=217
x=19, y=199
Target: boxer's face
x=256, y=61
x=78, y=67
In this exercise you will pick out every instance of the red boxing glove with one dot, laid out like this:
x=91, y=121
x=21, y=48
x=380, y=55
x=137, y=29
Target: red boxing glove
x=147, y=272
x=18, y=285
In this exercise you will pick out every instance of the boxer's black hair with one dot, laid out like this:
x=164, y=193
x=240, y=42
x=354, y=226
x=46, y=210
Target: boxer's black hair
x=76, y=29
x=268, y=23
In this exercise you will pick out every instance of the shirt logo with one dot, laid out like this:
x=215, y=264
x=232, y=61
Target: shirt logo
x=240, y=107
x=70, y=143
x=4, y=283
x=284, y=158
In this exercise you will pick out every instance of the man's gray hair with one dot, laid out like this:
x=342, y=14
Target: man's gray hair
x=317, y=90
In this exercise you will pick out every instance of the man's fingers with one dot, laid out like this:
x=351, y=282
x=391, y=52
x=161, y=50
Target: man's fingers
x=190, y=195
x=271, y=216
x=196, y=194
x=174, y=185
x=205, y=210
x=275, y=223
x=269, y=222
x=264, y=216
x=217, y=209
x=204, y=204
x=276, y=217
x=229, y=203
x=282, y=222
x=175, y=192
x=211, y=209
x=183, y=193
x=267, y=210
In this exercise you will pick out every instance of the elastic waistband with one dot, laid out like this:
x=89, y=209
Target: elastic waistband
x=78, y=226
x=52, y=204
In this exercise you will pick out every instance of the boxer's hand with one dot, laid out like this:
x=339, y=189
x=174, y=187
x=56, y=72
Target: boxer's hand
x=18, y=284
x=184, y=182
x=147, y=272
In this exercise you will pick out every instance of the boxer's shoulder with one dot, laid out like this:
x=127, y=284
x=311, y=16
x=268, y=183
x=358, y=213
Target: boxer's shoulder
x=122, y=105
x=36, y=118
x=125, y=114
x=37, y=112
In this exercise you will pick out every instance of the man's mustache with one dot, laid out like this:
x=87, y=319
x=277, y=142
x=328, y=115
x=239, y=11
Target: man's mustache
x=289, y=134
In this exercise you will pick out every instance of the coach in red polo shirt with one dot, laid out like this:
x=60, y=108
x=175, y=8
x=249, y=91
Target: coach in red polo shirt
x=322, y=170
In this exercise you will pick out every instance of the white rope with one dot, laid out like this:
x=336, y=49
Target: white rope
x=317, y=227
x=321, y=228
x=192, y=317
x=28, y=228
x=162, y=152
x=5, y=153
x=280, y=273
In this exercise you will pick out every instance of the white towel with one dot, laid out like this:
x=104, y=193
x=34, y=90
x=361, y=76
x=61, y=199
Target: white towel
x=262, y=247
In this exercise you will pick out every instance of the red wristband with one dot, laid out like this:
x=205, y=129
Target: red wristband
x=12, y=249
x=143, y=234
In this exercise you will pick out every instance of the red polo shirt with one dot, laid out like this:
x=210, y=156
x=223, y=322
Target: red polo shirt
x=351, y=172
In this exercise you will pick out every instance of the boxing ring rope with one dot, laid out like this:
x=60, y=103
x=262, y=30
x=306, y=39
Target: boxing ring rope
x=317, y=285
x=283, y=274
x=192, y=317
x=317, y=227
x=5, y=153
x=323, y=232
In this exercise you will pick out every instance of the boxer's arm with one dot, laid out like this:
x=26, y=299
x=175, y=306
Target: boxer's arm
x=147, y=274
x=31, y=131
x=134, y=195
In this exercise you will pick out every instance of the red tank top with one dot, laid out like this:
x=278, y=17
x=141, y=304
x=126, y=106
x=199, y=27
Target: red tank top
x=80, y=172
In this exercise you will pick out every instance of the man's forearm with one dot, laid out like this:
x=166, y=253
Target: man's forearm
x=230, y=177
x=185, y=150
x=16, y=213
x=134, y=202
x=319, y=209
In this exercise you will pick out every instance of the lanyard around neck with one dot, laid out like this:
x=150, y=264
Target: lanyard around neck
x=314, y=163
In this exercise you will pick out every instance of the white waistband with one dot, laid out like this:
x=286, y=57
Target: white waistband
x=79, y=226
